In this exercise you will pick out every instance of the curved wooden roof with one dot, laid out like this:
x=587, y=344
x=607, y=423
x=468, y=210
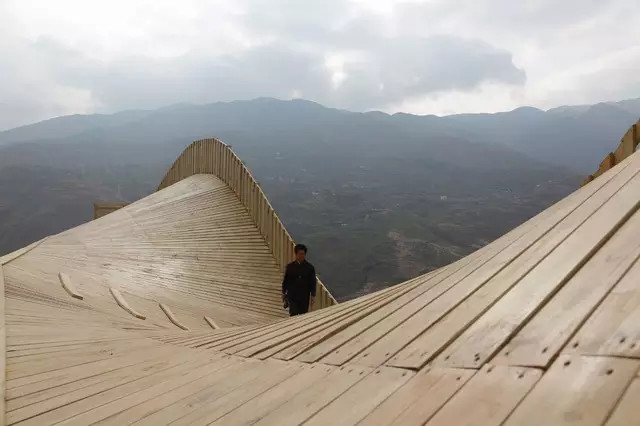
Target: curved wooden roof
x=540, y=327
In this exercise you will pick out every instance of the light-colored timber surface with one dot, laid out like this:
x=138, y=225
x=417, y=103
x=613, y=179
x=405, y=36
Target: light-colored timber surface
x=540, y=327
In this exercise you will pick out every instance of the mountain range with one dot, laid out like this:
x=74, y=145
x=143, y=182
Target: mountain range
x=378, y=197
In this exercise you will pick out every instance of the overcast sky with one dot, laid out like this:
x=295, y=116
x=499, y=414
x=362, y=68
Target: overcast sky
x=422, y=56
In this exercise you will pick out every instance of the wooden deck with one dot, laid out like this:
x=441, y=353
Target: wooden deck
x=540, y=327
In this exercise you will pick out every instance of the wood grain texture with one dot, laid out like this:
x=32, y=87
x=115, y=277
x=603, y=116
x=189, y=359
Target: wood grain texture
x=488, y=398
x=576, y=391
x=626, y=412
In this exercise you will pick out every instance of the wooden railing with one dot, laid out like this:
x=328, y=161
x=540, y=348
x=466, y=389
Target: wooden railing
x=628, y=145
x=101, y=209
x=211, y=156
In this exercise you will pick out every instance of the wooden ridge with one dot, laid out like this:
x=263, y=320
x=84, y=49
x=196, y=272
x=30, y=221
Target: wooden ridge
x=172, y=317
x=120, y=300
x=68, y=285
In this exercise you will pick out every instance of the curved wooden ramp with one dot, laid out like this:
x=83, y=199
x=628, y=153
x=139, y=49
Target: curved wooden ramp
x=540, y=327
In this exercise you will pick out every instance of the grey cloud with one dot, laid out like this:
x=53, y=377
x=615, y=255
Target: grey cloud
x=410, y=67
x=393, y=69
x=290, y=60
x=138, y=82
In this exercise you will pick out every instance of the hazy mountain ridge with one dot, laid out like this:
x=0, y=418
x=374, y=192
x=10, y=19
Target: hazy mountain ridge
x=571, y=136
x=379, y=198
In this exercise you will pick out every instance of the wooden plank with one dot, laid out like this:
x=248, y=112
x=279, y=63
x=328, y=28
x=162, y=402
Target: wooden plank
x=232, y=379
x=275, y=397
x=544, y=236
x=380, y=307
x=420, y=398
x=95, y=388
x=68, y=285
x=488, y=398
x=487, y=335
x=211, y=323
x=209, y=409
x=28, y=384
x=3, y=350
x=626, y=412
x=120, y=300
x=16, y=254
x=540, y=340
x=500, y=268
x=312, y=399
x=629, y=141
x=613, y=328
x=333, y=319
x=105, y=401
x=373, y=332
x=576, y=390
x=171, y=316
x=356, y=403
x=63, y=394
x=148, y=392
x=218, y=380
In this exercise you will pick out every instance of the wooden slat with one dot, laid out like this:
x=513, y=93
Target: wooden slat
x=313, y=398
x=576, y=390
x=626, y=412
x=147, y=393
x=121, y=301
x=228, y=381
x=540, y=340
x=626, y=148
x=526, y=244
x=361, y=399
x=420, y=398
x=209, y=407
x=172, y=317
x=488, y=398
x=16, y=254
x=486, y=336
x=211, y=322
x=613, y=328
x=282, y=393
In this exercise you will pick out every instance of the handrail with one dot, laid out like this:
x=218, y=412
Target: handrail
x=211, y=156
x=628, y=145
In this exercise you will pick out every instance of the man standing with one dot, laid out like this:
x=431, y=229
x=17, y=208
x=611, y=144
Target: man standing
x=299, y=283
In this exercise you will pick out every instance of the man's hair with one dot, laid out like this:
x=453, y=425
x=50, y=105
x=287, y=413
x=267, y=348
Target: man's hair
x=300, y=247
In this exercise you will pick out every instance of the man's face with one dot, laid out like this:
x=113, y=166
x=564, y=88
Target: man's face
x=300, y=255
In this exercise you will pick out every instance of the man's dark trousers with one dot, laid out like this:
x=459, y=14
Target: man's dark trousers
x=299, y=306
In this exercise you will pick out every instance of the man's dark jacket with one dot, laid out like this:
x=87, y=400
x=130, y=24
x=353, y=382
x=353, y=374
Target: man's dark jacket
x=298, y=284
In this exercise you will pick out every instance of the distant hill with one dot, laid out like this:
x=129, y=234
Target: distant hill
x=378, y=198
x=576, y=137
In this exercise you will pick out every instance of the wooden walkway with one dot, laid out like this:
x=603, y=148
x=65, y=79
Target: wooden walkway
x=540, y=327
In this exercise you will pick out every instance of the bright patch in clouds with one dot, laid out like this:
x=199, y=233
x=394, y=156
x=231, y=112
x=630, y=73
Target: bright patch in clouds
x=430, y=56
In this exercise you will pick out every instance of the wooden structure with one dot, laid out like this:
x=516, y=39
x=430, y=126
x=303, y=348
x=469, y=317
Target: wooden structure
x=101, y=209
x=540, y=327
x=628, y=145
x=211, y=156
